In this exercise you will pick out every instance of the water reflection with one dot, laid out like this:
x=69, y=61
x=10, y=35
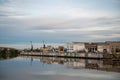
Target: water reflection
x=75, y=63
x=51, y=68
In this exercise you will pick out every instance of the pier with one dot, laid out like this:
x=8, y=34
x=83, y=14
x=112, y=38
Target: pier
x=66, y=55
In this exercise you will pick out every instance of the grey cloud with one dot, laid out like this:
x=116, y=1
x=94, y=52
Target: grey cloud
x=107, y=21
x=59, y=29
x=77, y=24
x=23, y=30
x=63, y=31
x=10, y=9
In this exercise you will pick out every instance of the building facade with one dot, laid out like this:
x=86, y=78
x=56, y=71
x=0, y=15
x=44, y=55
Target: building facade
x=103, y=47
x=91, y=47
x=75, y=47
x=114, y=47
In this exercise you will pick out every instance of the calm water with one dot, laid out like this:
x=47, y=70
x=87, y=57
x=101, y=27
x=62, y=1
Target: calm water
x=47, y=68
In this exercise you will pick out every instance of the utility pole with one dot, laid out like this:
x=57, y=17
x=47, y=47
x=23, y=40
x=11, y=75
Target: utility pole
x=44, y=45
x=31, y=46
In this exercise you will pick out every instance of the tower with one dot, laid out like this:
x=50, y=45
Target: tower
x=44, y=45
x=31, y=46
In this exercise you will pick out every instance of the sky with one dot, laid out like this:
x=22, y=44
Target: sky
x=59, y=21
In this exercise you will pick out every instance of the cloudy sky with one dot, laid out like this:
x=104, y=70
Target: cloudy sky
x=59, y=21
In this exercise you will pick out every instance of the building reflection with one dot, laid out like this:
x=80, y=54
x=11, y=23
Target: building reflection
x=75, y=63
x=52, y=60
x=107, y=65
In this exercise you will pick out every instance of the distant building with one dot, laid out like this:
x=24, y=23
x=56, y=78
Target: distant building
x=75, y=47
x=114, y=46
x=69, y=47
x=108, y=47
x=91, y=47
x=61, y=49
x=103, y=47
x=52, y=48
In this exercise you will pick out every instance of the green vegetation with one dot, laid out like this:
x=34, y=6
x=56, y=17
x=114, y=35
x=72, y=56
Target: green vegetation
x=8, y=53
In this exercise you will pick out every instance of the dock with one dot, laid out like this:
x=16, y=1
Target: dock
x=66, y=55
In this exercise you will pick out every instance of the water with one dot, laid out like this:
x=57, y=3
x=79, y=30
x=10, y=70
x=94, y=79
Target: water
x=48, y=68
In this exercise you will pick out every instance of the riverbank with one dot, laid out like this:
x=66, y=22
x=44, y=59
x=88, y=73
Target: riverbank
x=6, y=53
x=67, y=55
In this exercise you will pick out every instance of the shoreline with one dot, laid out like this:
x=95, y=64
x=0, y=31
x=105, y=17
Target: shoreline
x=66, y=56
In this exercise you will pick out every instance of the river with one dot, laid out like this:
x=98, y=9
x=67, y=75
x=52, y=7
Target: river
x=51, y=68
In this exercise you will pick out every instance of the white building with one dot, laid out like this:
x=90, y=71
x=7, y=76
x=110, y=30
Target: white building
x=103, y=47
x=69, y=47
x=75, y=46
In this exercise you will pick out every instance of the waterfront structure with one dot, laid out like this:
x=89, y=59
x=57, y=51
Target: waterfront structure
x=69, y=47
x=114, y=47
x=91, y=47
x=46, y=49
x=31, y=46
x=100, y=47
x=54, y=48
x=97, y=50
x=111, y=47
x=75, y=47
x=103, y=47
x=60, y=49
